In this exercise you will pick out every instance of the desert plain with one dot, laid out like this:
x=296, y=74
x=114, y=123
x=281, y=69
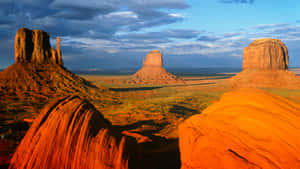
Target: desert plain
x=148, y=113
x=152, y=116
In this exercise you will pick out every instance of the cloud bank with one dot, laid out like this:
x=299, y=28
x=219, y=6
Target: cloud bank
x=117, y=34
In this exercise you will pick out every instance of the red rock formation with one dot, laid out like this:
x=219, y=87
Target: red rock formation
x=59, y=58
x=46, y=80
x=153, y=71
x=38, y=70
x=154, y=58
x=247, y=128
x=33, y=46
x=266, y=54
x=70, y=134
x=265, y=64
x=29, y=84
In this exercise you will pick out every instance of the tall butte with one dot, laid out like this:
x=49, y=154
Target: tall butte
x=39, y=74
x=153, y=71
x=39, y=69
x=33, y=46
x=37, y=77
x=266, y=64
x=266, y=54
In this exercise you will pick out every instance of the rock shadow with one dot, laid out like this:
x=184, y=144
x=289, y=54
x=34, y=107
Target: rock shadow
x=126, y=89
x=182, y=110
x=160, y=153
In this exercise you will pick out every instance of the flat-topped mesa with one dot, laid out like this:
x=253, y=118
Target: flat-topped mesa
x=266, y=54
x=265, y=65
x=33, y=46
x=154, y=58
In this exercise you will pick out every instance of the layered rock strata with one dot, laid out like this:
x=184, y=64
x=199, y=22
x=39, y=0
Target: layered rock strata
x=153, y=71
x=39, y=69
x=266, y=54
x=247, y=128
x=265, y=64
x=33, y=46
x=70, y=133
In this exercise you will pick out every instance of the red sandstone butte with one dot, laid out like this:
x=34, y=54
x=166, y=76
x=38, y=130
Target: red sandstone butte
x=33, y=46
x=153, y=71
x=265, y=64
x=39, y=70
x=266, y=54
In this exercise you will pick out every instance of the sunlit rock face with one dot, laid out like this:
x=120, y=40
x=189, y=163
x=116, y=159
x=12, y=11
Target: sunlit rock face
x=153, y=72
x=153, y=59
x=70, y=133
x=33, y=46
x=38, y=71
x=266, y=64
x=266, y=54
x=246, y=128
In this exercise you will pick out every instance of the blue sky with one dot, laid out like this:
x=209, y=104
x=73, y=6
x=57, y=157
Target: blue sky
x=113, y=34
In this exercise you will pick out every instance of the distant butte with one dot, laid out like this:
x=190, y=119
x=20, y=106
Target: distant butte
x=153, y=71
x=266, y=54
x=265, y=64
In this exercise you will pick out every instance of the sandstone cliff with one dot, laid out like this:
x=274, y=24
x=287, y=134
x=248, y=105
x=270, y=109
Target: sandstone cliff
x=154, y=58
x=247, y=128
x=70, y=133
x=33, y=46
x=266, y=54
x=38, y=70
x=153, y=72
x=265, y=64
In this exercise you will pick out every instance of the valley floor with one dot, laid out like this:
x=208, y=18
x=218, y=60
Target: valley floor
x=148, y=113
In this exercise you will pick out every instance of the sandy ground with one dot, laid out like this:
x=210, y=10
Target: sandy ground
x=153, y=113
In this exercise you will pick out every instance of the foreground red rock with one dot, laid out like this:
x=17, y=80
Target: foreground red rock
x=37, y=77
x=247, y=128
x=153, y=71
x=71, y=134
x=265, y=64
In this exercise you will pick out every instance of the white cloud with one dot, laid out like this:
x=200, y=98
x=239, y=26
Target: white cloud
x=176, y=15
x=124, y=14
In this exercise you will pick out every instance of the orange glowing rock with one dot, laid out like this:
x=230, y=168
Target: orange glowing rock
x=139, y=138
x=266, y=54
x=38, y=71
x=153, y=71
x=33, y=46
x=70, y=134
x=247, y=128
x=265, y=64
